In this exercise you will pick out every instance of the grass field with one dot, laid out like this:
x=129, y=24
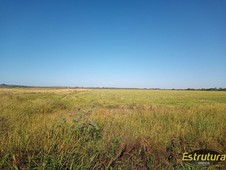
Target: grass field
x=108, y=128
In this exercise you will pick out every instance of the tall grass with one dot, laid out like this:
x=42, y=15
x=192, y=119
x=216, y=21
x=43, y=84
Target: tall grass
x=107, y=129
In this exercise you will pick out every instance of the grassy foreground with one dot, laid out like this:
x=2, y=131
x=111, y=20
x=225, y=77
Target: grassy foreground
x=108, y=129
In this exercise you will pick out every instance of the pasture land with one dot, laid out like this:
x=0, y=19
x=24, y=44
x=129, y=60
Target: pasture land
x=108, y=128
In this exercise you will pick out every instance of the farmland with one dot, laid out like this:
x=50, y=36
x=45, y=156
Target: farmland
x=43, y=128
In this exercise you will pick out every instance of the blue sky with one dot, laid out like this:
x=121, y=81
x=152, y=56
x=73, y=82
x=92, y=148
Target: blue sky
x=113, y=43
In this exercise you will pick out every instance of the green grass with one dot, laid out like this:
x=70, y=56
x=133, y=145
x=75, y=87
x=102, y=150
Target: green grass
x=108, y=129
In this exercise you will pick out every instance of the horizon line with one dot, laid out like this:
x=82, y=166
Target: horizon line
x=103, y=87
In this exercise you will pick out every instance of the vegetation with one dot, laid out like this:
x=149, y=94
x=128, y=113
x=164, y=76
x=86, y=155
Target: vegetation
x=108, y=128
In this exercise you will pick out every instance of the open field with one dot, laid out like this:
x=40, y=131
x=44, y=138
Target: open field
x=108, y=128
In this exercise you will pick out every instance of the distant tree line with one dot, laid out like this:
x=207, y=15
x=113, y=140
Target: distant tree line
x=208, y=89
x=200, y=89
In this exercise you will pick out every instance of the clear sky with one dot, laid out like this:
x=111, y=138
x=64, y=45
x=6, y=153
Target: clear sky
x=113, y=43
